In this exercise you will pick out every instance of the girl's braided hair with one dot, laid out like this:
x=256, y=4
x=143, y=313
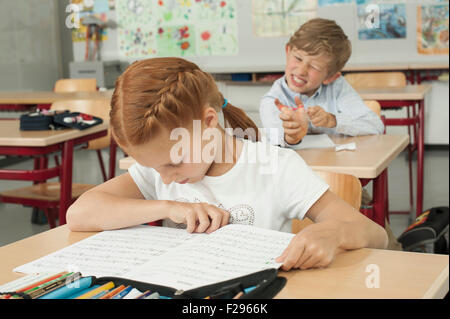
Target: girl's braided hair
x=165, y=92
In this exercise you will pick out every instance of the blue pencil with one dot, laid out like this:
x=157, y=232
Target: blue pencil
x=123, y=293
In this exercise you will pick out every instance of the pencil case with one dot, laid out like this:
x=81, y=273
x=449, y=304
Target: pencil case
x=40, y=121
x=263, y=284
x=77, y=120
x=427, y=233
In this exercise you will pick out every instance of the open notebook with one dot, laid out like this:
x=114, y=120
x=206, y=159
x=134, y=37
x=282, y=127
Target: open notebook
x=168, y=256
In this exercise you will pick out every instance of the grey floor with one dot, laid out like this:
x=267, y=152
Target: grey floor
x=15, y=220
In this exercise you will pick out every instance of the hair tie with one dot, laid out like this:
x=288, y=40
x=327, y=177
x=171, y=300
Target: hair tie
x=225, y=103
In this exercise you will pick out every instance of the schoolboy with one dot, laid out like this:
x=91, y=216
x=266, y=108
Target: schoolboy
x=312, y=96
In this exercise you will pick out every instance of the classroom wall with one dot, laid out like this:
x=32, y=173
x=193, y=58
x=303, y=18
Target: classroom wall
x=258, y=54
x=30, y=49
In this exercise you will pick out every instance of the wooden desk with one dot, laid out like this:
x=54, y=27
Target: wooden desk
x=369, y=161
x=372, y=156
x=391, y=98
x=49, y=97
x=427, y=275
x=37, y=144
x=410, y=92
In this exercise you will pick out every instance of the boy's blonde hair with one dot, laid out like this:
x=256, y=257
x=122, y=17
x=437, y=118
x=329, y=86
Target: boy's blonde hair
x=322, y=36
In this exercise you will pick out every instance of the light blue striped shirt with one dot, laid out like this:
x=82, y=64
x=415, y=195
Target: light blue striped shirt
x=353, y=117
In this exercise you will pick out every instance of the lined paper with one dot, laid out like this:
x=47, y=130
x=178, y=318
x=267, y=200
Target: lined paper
x=169, y=256
x=230, y=252
x=110, y=253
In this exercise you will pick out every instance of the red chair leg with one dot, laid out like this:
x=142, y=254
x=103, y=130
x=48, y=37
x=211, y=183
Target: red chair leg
x=50, y=213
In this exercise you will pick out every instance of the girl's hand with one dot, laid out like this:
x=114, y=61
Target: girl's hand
x=295, y=121
x=321, y=118
x=314, y=246
x=198, y=217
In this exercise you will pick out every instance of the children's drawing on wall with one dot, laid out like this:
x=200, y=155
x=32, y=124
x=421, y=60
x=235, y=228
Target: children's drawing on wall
x=176, y=41
x=177, y=28
x=217, y=39
x=274, y=18
x=432, y=29
x=381, y=20
x=324, y=3
x=136, y=41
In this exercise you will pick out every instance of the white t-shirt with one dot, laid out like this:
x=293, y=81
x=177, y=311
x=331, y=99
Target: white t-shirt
x=267, y=187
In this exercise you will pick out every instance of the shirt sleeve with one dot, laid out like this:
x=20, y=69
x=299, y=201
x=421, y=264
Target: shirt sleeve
x=353, y=116
x=144, y=178
x=271, y=121
x=299, y=187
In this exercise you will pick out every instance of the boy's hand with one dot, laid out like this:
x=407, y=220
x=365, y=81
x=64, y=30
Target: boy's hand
x=198, y=217
x=315, y=246
x=295, y=121
x=321, y=118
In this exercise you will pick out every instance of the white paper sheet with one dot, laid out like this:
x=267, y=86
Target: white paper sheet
x=110, y=253
x=314, y=141
x=230, y=252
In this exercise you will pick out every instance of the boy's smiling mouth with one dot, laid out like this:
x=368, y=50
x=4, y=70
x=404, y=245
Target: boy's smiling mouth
x=297, y=81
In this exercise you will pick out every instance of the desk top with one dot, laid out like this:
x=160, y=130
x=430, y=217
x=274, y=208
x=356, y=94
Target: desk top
x=427, y=275
x=409, y=92
x=11, y=135
x=372, y=155
x=44, y=97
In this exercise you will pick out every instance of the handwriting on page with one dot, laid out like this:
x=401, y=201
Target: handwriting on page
x=232, y=251
x=110, y=253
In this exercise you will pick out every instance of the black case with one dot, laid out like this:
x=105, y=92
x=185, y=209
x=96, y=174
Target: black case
x=59, y=119
x=267, y=283
x=429, y=228
x=37, y=121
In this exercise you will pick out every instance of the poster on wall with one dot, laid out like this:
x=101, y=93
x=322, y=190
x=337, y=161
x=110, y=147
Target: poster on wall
x=274, y=18
x=432, y=29
x=97, y=8
x=325, y=3
x=381, y=20
x=176, y=28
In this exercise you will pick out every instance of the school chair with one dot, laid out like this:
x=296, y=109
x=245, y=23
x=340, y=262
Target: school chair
x=76, y=85
x=364, y=80
x=376, y=108
x=98, y=108
x=392, y=80
x=347, y=187
x=71, y=85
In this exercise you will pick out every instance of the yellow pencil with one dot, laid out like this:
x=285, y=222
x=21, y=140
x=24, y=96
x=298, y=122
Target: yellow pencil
x=95, y=291
x=113, y=292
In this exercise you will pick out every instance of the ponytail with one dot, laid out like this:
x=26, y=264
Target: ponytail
x=236, y=118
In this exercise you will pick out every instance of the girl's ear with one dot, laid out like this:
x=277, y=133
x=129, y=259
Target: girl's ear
x=332, y=78
x=210, y=117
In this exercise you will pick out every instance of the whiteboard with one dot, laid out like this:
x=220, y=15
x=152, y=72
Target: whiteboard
x=258, y=54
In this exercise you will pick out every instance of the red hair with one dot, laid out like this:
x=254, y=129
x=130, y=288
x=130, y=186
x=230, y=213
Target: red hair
x=165, y=92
